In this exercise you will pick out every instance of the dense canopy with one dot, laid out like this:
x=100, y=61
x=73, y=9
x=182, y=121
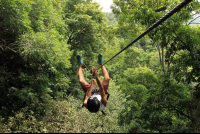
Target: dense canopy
x=154, y=86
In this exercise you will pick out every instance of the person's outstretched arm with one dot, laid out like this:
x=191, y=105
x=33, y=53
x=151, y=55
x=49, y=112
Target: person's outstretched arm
x=101, y=89
x=88, y=93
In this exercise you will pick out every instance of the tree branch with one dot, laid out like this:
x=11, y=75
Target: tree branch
x=195, y=23
x=193, y=20
x=163, y=64
x=1, y=47
x=179, y=39
x=161, y=9
x=160, y=56
x=179, y=112
x=4, y=48
x=182, y=113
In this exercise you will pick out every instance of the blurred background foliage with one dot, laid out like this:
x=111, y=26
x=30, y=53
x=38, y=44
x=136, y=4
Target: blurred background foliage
x=155, y=84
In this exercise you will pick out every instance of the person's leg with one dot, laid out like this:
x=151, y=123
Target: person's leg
x=106, y=79
x=81, y=76
x=82, y=81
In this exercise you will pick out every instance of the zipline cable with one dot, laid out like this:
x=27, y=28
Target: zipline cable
x=156, y=24
x=86, y=67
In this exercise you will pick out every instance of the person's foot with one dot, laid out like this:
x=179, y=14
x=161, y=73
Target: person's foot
x=100, y=59
x=79, y=59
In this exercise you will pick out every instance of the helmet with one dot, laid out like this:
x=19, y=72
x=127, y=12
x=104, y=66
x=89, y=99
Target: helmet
x=93, y=105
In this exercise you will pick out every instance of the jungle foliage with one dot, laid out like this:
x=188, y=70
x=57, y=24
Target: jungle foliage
x=154, y=86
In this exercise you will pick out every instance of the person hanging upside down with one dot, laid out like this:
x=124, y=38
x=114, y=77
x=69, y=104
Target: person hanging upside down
x=95, y=99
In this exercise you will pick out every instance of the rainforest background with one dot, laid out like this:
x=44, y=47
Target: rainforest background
x=154, y=86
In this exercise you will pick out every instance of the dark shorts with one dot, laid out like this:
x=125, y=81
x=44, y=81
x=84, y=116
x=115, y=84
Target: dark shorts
x=86, y=88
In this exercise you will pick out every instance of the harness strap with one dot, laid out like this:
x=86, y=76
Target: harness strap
x=103, y=113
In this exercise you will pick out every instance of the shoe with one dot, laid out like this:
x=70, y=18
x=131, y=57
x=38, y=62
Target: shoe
x=100, y=59
x=79, y=59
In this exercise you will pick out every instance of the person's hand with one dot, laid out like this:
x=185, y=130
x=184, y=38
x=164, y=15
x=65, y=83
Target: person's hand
x=93, y=82
x=95, y=72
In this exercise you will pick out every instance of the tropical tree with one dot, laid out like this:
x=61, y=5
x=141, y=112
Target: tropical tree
x=34, y=54
x=176, y=41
